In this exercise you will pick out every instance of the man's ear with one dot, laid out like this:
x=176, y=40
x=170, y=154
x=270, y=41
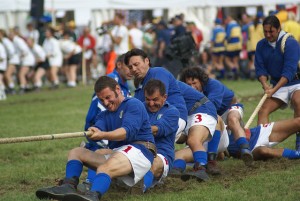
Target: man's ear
x=118, y=65
x=147, y=61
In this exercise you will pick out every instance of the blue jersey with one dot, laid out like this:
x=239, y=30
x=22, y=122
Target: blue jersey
x=191, y=96
x=174, y=96
x=96, y=106
x=218, y=39
x=233, y=37
x=130, y=115
x=272, y=62
x=166, y=119
x=218, y=94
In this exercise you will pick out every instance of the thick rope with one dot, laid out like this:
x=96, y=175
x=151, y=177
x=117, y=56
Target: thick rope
x=283, y=41
x=261, y=102
x=43, y=137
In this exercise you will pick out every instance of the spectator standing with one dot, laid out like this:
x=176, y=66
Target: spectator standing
x=54, y=56
x=218, y=48
x=135, y=36
x=72, y=55
x=233, y=46
x=88, y=43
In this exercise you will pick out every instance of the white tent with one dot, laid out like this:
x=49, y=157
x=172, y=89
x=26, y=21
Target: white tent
x=203, y=12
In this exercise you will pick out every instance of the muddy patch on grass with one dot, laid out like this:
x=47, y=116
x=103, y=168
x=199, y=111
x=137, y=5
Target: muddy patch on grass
x=232, y=171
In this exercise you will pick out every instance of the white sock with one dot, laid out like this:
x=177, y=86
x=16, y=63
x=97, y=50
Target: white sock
x=11, y=85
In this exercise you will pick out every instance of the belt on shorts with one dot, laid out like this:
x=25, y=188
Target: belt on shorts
x=198, y=104
x=149, y=145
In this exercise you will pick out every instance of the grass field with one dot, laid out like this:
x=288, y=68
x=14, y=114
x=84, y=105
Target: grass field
x=26, y=167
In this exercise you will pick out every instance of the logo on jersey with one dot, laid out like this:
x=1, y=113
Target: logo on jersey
x=159, y=116
x=121, y=114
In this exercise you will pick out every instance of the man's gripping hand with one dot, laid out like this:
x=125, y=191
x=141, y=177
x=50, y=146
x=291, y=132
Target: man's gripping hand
x=96, y=134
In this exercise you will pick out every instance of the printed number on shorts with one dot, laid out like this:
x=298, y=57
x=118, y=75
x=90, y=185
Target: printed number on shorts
x=266, y=125
x=127, y=149
x=198, y=118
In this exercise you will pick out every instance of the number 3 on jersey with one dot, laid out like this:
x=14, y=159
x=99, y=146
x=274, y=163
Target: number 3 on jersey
x=198, y=118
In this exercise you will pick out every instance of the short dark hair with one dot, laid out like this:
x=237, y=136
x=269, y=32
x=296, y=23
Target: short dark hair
x=120, y=59
x=153, y=85
x=273, y=21
x=120, y=15
x=135, y=52
x=104, y=82
x=194, y=73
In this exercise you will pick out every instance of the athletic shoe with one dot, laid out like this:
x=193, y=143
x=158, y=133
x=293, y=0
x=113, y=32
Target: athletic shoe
x=298, y=141
x=58, y=192
x=247, y=157
x=199, y=173
x=212, y=168
x=175, y=172
x=21, y=91
x=88, y=196
x=84, y=187
x=11, y=91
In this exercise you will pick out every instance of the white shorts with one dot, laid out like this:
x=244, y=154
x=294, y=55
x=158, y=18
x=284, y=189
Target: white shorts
x=201, y=119
x=239, y=109
x=263, y=139
x=14, y=60
x=285, y=94
x=28, y=60
x=181, y=127
x=140, y=164
x=223, y=144
x=165, y=172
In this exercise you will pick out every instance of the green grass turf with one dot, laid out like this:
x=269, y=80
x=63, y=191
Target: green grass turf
x=28, y=166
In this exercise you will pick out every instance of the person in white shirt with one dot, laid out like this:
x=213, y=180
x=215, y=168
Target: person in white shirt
x=73, y=55
x=3, y=65
x=135, y=36
x=119, y=35
x=54, y=56
x=13, y=61
x=40, y=63
x=31, y=32
x=26, y=58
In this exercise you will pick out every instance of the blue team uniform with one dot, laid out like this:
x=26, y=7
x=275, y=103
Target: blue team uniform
x=233, y=38
x=132, y=116
x=191, y=96
x=174, y=96
x=96, y=107
x=166, y=119
x=270, y=61
x=218, y=39
x=218, y=94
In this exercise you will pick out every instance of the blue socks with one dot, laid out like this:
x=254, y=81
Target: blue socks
x=200, y=157
x=179, y=164
x=90, y=175
x=148, y=180
x=242, y=143
x=291, y=154
x=73, y=169
x=214, y=142
x=101, y=183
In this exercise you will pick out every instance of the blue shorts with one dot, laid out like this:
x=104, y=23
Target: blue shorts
x=233, y=53
x=218, y=53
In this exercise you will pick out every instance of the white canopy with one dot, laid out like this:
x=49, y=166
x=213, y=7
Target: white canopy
x=21, y=5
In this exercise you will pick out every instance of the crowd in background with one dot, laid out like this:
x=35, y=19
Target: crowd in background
x=53, y=56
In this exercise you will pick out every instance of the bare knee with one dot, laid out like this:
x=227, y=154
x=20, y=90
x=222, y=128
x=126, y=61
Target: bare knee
x=261, y=153
x=76, y=153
